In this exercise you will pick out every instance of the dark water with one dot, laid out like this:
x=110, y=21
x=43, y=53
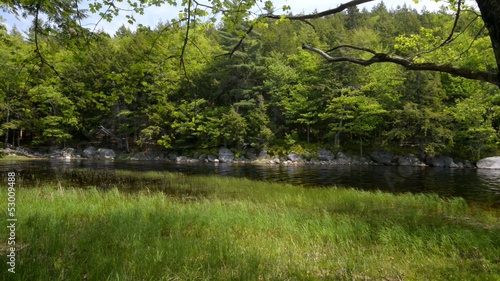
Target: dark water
x=476, y=186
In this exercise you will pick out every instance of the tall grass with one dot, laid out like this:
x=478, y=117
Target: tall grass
x=177, y=227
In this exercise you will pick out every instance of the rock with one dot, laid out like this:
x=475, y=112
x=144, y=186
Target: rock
x=105, y=153
x=68, y=153
x=382, y=157
x=342, y=161
x=212, y=158
x=341, y=155
x=55, y=153
x=489, y=163
x=409, y=160
x=295, y=157
x=441, y=161
x=325, y=155
x=469, y=165
x=275, y=161
x=172, y=155
x=89, y=152
x=262, y=155
x=225, y=155
x=251, y=154
x=181, y=158
x=139, y=156
x=202, y=157
x=25, y=152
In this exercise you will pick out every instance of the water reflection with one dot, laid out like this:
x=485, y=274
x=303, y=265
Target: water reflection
x=481, y=186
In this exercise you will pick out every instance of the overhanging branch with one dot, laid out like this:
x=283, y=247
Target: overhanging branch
x=490, y=77
x=337, y=10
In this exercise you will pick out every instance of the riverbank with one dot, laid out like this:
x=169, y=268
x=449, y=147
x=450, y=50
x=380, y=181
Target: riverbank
x=213, y=228
x=224, y=155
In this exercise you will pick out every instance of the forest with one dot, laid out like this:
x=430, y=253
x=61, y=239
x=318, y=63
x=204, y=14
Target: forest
x=201, y=85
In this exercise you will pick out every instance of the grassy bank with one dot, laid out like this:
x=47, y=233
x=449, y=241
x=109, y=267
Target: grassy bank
x=211, y=228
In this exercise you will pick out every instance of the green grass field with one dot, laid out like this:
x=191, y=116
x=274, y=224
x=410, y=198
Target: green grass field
x=211, y=228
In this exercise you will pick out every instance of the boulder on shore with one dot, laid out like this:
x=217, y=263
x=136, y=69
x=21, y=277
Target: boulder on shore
x=489, y=163
x=382, y=157
x=226, y=155
x=89, y=152
x=409, y=160
x=262, y=155
x=105, y=153
x=325, y=155
x=294, y=157
x=442, y=161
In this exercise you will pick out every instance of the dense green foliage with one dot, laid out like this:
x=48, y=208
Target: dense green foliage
x=268, y=93
x=211, y=228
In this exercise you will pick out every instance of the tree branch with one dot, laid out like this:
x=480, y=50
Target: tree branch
x=337, y=10
x=186, y=37
x=352, y=47
x=489, y=77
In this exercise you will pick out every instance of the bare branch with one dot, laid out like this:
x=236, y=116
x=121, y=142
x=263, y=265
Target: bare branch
x=450, y=36
x=186, y=37
x=352, y=47
x=410, y=65
x=37, y=47
x=472, y=42
x=337, y=10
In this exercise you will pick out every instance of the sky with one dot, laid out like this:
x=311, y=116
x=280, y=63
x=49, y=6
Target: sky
x=153, y=15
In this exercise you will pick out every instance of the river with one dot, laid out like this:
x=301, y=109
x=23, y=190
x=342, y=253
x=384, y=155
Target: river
x=476, y=186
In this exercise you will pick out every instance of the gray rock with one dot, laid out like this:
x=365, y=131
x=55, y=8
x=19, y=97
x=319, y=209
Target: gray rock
x=226, y=155
x=173, y=155
x=251, y=154
x=489, y=163
x=275, y=161
x=469, y=165
x=262, y=155
x=212, y=158
x=89, y=152
x=341, y=155
x=441, y=161
x=342, y=161
x=295, y=157
x=68, y=153
x=105, y=153
x=25, y=152
x=202, y=157
x=139, y=156
x=409, y=160
x=382, y=157
x=181, y=158
x=325, y=155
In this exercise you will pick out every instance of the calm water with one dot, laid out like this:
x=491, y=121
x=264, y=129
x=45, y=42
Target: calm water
x=477, y=186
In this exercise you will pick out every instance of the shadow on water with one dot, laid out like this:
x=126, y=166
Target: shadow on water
x=476, y=186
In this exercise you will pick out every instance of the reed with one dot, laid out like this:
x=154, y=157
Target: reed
x=177, y=227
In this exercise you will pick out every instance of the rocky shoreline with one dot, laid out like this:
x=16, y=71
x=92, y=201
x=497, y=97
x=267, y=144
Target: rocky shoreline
x=225, y=155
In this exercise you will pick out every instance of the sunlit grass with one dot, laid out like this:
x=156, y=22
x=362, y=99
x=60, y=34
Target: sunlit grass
x=176, y=227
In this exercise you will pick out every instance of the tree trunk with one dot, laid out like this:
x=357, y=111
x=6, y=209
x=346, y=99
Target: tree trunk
x=490, y=11
x=422, y=149
x=308, y=131
x=7, y=132
x=360, y=147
